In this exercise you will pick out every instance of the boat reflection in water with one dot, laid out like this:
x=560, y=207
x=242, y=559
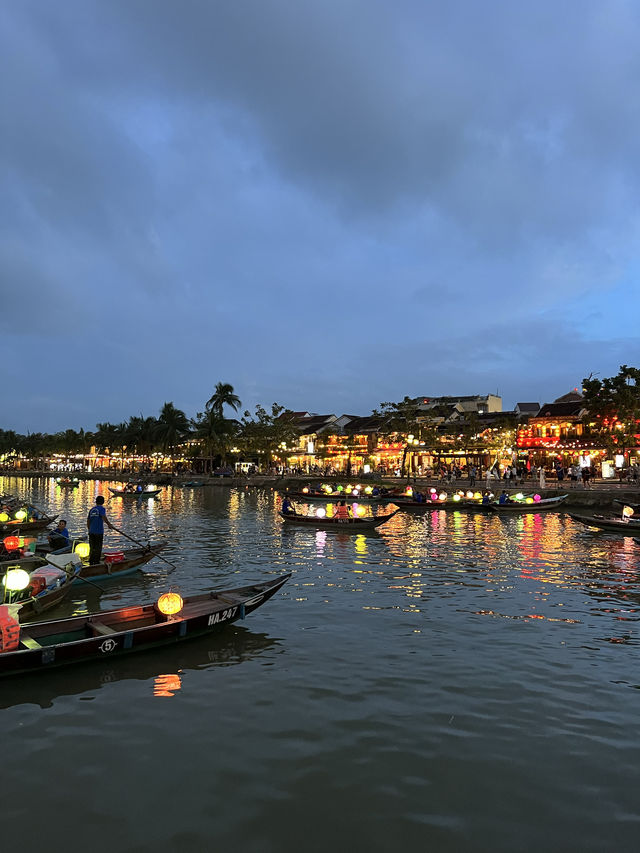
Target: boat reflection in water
x=163, y=668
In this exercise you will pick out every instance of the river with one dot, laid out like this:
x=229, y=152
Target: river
x=451, y=682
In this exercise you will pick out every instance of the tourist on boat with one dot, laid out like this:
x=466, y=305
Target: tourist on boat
x=419, y=497
x=59, y=538
x=342, y=511
x=375, y=491
x=504, y=498
x=287, y=507
x=96, y=519
x=486, y=498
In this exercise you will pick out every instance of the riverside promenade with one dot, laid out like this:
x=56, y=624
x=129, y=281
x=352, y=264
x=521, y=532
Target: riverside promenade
x=600, y=495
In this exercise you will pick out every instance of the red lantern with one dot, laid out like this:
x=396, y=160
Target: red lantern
x=12, y=543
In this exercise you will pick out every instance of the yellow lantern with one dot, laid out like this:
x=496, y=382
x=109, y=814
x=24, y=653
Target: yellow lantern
x=21, y=515
x=360, y=510
x=368, y=489
x=16, y=580
x=4, y=517
x=170, y=603
x=82, y=550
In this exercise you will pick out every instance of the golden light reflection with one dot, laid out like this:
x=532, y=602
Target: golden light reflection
x=361, y=545
x=167, y=684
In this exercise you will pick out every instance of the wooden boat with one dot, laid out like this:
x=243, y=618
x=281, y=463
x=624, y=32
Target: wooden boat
x=27, y=527
x=67, y=484
x=334, y=497
x=146, y=493
x=116, y=564
x=610, y=524
x=345, y=525
x=542, y=505
x=109, y=633
x=635, y=507
x=49, y=584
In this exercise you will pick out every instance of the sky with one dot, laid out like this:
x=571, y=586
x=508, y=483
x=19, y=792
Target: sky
x=325, y=204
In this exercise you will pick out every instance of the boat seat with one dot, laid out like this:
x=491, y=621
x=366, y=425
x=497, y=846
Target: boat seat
x=101, y=628
x=64, y=561
x=28, y=641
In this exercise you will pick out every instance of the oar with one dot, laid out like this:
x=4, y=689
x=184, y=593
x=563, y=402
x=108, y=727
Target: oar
x=142, y=545
x=80, y=578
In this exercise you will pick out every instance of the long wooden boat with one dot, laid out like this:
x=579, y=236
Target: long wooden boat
x=49, y=585
x=68, y=484
x=634, y=506
x=146, y=493
x=113, y=565
x=26, y=528
x=610, y=524
x=542, y=505
x=346, y=525
x=110, y=633
x=466, y=505
x=334, y=497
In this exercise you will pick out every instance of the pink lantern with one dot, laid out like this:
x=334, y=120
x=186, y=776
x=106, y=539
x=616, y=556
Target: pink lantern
x=537, y=498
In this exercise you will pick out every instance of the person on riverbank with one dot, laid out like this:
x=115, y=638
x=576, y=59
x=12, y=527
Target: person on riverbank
x=96, y=519
x=586, y=476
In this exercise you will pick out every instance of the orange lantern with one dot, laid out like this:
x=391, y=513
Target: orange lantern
x=170, y=603
x=12, y=543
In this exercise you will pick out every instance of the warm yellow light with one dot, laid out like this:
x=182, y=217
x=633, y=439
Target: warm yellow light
x=360, y=510
x=456, y=497
x=368, y=489
x=82, y=550
x=469, y=494
x=477, y=495
x=16, y=580
x=170, y=603
x=21, y=515
x=4, y=517
x=442, y=496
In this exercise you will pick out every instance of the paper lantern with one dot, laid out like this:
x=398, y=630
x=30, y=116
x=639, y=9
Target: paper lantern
x=339, y=488
x=170, y=603
x=368, y=489
x=4, y=517
x=627, y=511
x=469, y=495
x=21, y=515
x=321, y=512
x=305, y=490
x=456, y=497
x=11, y=543
x=529, y=501
x=82, y=550
x=432, y=490
x=408, y=491
x=16, y=580
x=434, y=496
x=442, y=496
x=519, y=496
x=360, y=510
x=537, y=498
x=477, y=495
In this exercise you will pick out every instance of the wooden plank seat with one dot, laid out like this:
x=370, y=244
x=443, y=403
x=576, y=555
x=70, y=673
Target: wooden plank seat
x=28, y=642
x=101, y=629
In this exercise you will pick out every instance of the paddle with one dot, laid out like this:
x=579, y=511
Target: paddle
x=142, y=545
x=79, y=577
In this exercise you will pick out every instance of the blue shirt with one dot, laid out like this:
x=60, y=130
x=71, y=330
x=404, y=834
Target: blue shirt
x=97, y=515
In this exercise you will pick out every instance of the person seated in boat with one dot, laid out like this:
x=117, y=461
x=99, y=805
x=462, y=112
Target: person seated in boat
x=419, y=497
x=375, y=491
x=128, y=487
x=138, y=488
x=486, y=498
x=504, y=498
x=59, y=537
x=287, y=507
x=342, y=512
x=32, y=513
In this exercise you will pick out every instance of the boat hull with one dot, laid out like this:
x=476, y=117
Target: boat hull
x=545, y=505
x=609, y=525
x=149, y=493
x=112, y=633
x=347, y=525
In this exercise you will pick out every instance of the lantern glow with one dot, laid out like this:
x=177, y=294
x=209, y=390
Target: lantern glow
x=442, y=496
x=82, y=550
x=529, y=501
x=21, y=515
x=321, y=512
x=170, y=603
x=16, y=580
x=519, y=496
x=11, y=543
x=4, y=517
x=456, y=497
x=469, y=495
x=305, y=490
x=368, y=490
x=434, y=496
x=537, y=498
x=360, y=510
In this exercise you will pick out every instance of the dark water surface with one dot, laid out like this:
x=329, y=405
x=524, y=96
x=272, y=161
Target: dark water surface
x=453, y=682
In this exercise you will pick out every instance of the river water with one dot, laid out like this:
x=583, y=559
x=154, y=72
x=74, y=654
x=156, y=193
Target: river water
x=452, y=682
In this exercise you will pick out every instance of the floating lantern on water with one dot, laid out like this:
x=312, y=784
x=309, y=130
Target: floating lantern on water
x=321, y=512
x=536, y=498
x=16, y=580
x=21, y=515
x=442, y=496
x=360, y=510
x=4, y=517
x=170, y=603
x=82, y=550
x=11, y=543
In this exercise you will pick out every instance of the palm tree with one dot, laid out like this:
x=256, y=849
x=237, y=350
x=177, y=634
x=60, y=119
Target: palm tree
x=216, y=434
x=172, y=427
x=223, y=396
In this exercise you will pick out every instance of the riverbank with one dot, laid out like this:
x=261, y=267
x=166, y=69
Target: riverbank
x=600, y=495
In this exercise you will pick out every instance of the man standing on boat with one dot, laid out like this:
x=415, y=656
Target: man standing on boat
x=96, y=520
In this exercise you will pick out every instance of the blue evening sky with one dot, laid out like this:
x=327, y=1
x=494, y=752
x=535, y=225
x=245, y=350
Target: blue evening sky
x=326, y=204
